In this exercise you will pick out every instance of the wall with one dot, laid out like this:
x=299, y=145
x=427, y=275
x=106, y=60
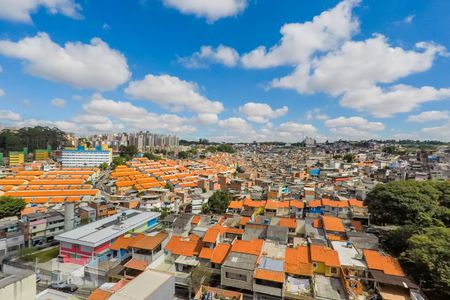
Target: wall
x=240, y=284
x=24, y=289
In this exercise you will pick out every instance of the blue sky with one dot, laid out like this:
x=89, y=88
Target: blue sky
x=230, y=70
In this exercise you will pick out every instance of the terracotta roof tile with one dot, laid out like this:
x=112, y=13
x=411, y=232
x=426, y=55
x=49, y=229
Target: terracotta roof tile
x=269, y=275
x=287, y=222
x=324, y=254
x=136, y=264
x=388, y=264
x=187, y=246
x=297, y=261
x=220, y=253
x=332, y=224
x=249, y=247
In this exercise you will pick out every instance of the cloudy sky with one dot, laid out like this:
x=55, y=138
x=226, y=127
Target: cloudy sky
x=228, y=70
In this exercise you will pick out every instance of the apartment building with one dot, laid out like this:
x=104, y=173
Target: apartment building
x=86, y=157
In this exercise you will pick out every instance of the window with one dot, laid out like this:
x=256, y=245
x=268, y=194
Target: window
x=333, y=271
x=66, y=245
x=314, y=265
x=235, y=276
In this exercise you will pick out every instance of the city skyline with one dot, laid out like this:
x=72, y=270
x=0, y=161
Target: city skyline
x=240, y=71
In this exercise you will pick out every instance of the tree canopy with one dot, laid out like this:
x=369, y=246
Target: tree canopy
x=38, y=137
x=410, y=202
x=429, y=254
x=11, y=206
x=128, y=152
x=218, y=202
x=225, y=148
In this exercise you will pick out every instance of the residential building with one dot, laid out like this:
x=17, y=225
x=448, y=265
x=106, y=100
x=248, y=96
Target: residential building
x=86, y=157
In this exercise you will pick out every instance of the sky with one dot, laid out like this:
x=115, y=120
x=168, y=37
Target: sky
x=228, y=70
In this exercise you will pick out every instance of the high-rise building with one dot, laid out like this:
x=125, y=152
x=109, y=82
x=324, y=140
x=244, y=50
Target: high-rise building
x=86, y=157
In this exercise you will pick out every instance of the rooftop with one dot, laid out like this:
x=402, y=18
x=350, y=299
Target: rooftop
x=104, y=230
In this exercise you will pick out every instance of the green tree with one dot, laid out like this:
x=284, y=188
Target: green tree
x=169, y=186
x=11, y=206
x=128, y=151
x=218, y=202
x=103, y=166
x=211, y=149
x=349, y=157
x=118, y=161
x=152, y=156
x=183, y=155
x=225, y=148
x=404, y=202
x=429, y=256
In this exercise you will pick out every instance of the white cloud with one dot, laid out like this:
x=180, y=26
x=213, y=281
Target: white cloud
x=205, y=119
x=20, y=10
x=437, y=133
x=9, y=115
x=360, y=65
x=172, y=93
x=134, y=117
x=357, y=122
x=58, y=102
x=432, y=115
x=2, y=92
x=93, y=65
x=296, y=131
x=261, y=112
x=212, y=10
x=316, y=114
x=235, y=124
x=395, y=99
x=409, y=19
x=207, y=55
x=301, y=40
x=351, y=133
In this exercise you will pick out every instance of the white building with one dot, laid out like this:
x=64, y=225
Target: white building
x=82, y=157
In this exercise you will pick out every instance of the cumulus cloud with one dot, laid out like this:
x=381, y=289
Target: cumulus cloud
x=93, y=65
x=208, y=55
x=261, y=112
x=172, y=93
x=316, y=114
x=296, y=131
x=353, y=128
x=234, y=124
x=301, y=40
x=212, y=10
x=8, y=115
x=432, y=115
x=437, y=133
x=58, y=102
x=357, y=122
x=360, y=65
x=21, y=10
x=205, y=119
x=395, y=99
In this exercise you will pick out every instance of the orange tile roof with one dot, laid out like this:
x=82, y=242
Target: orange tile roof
x=357, y=225
x=149, y=242
x=314, y=203
x=244, y=220
x=46, y=193
x=195, y=220
x=297, y=261
x=30, y=210
x=269, y=275
x=332, y=224
x=356, y=203
x=255, y=204
x=333, y=203
x=287, y=222
x=220, y=253
x=206, y=253
x=235, y=204
x=99, y=294
x=123, y=242
x=326, y=255
x=187, y=246
x=249, y=247
x=136, y=264
x=211, y=234
x=271, y=204
x=388, y=264
x=296, y=203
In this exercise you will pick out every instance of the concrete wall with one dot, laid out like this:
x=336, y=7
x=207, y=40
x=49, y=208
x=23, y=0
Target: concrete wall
x=240, y=284
x=24, y=289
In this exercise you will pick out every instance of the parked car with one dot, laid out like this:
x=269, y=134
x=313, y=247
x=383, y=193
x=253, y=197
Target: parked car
x=63, y=287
